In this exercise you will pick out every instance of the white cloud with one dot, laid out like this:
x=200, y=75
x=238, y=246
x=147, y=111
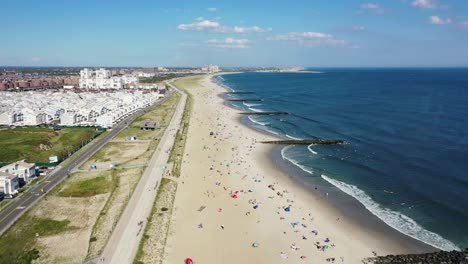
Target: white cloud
x=212, y=9
x=373, y=7
x=35, y=59
x=358, y=28
x=230, y=43
x=311, y=39
x=439, y=21
x=255, y=29
x=202, y=24
x=429, y=4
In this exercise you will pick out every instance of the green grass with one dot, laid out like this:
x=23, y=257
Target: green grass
x=164, y=197
x=178, y=148
x=161, y=115
x=17, y=244
x=158, y=79
x=87, y=188
x=47, y=227
x=25, y=143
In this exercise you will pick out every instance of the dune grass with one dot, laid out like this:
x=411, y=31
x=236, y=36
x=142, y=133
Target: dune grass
x=87, y=188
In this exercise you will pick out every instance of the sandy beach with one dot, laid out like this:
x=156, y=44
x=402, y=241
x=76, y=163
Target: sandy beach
x=233, y=204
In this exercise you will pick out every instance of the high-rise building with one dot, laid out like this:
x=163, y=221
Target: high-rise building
x=103, y=79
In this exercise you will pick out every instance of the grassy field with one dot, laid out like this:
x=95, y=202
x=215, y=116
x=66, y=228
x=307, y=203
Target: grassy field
x=17, y=245
x=37, y=144
x=160, y=115
x=87, y=188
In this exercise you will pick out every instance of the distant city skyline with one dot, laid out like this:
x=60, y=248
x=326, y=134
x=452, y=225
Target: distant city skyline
x=143, y=33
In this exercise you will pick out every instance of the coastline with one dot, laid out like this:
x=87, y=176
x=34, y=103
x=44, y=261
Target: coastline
x=233, y=194
x=339, y=204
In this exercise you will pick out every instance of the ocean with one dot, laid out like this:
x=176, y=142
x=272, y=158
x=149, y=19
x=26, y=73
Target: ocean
x=405, y=157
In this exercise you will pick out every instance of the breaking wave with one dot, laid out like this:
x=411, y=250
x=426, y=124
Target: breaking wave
x=398, y=221
x=311, y=150
x=293, y=161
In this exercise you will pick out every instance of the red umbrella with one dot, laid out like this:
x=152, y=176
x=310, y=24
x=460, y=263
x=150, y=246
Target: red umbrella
x=234, y=196
x=188, y=261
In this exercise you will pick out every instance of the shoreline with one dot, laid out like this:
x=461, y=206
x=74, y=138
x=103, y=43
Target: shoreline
x=343, y=205
x=233, y=195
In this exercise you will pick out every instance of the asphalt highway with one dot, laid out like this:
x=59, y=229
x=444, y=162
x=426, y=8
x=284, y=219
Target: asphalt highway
x=21, y=204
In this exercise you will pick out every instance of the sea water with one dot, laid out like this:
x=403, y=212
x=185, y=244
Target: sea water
x=405, y=157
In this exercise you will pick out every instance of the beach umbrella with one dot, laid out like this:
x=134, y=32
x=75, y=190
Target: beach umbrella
x=287, y=209
x=188, y=261
x=255, y=244
x=255, y=206
x=234, y=196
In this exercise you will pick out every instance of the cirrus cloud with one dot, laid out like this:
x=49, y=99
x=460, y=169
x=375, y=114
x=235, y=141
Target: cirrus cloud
x=213, y=26
x=311, y=39
x=230, y=43
x=373, y=7
x=436, y=20
x=428, y=4
x=201, y=25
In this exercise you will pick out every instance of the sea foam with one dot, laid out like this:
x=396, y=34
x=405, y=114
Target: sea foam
x=250, y=105
x=293, y=161
x=311, y=150
x=398, y=221
x=255, y=110
x=291, y=137
x=253, y=120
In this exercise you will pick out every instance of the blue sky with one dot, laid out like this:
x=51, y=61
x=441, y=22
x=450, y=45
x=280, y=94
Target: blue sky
x=320, y=33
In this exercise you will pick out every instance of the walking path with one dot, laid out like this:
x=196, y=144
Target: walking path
x=123, y=243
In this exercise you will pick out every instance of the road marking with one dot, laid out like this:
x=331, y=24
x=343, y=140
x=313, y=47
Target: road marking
x=20, y=207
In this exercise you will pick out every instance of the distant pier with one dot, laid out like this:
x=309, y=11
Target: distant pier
x=264, y=113
x=245, y=100
x=305, y=142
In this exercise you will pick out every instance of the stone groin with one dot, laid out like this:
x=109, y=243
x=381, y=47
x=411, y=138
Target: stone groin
x=264, y=113
x=427, y=258
x=305, y=142
x=245, y=100
x=239, y=92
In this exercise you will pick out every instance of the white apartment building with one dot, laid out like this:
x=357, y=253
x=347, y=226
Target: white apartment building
x=23, y=170
x=70, y=108
x=9, y=184
x=103, y=79
x=211, y=68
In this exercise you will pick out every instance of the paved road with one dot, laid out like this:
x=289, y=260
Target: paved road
x=123, y=243
x=21, y=204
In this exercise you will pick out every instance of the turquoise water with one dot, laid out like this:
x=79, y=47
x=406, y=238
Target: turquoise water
x=406, y=132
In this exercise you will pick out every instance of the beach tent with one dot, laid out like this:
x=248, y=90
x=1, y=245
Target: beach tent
x=234, y=196
x=255, y=244
x=287, y=209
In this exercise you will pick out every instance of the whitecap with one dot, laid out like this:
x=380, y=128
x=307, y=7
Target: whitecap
x=291, y=137
x=396, y=220
x=255, y=110
x=253, y=119
x=293, y=161
x=311, y=150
